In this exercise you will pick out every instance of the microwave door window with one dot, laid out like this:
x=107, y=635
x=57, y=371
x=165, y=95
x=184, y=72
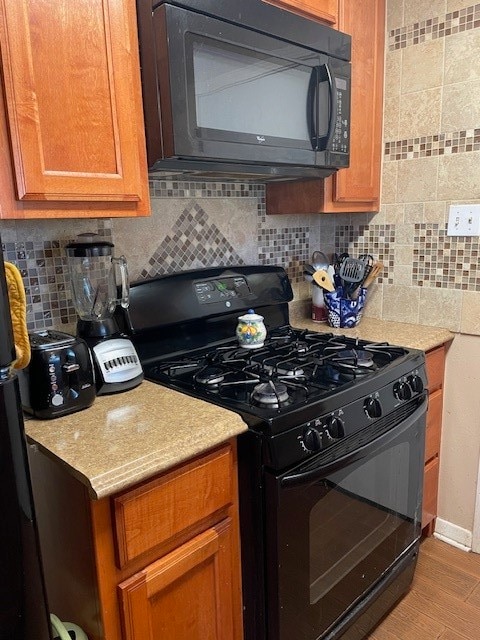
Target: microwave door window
x=249, y=95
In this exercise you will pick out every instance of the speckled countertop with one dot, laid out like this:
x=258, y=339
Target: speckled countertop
x=415, y=336
x=125, y=438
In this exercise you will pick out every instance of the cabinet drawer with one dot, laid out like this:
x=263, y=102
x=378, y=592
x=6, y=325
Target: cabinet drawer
x=435, y=364
x=434, y=425
x=430, y=492
x=156, y=512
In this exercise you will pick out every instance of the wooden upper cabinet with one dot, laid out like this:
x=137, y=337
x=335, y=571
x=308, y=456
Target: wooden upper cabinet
x=324, y=10
x=74, y=115
x=358, y=187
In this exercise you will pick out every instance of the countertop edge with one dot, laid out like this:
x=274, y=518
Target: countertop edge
x=124, y=439
x=108, y=484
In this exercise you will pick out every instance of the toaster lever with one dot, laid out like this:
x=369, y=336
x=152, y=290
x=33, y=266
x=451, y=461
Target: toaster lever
x=70, y=367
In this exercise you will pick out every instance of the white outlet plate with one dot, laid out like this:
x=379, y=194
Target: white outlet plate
x=464, y=220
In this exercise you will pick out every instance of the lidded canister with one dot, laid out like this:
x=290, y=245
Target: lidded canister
x=251, y=331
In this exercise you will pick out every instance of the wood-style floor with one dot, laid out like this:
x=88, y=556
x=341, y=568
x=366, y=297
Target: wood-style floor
x=444, y=600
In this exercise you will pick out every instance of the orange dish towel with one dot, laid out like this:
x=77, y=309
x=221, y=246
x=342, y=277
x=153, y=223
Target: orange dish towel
x=18, y=311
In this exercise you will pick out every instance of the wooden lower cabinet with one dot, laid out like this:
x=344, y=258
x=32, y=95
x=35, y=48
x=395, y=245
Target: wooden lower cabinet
x=435, y=363
x=185, y=595
x=158, y=561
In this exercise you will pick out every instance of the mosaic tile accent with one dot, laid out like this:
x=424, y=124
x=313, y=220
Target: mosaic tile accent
x=180, y=188
x=287, y=247
x=43, y=266
x=195, y=242
x=377, y=240
x=433, y=28
x=446, y=262
x=437, y=145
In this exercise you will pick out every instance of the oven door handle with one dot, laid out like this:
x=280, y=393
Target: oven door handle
x=318, y=473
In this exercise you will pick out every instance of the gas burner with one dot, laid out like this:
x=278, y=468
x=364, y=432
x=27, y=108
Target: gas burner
x=301, y=347
x=291, y=371
x=210, y=376
x=290, y=368
x=271, y=394
x=354, y=358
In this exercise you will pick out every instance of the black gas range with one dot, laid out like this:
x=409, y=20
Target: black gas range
x=308, y=389
x=335, y=444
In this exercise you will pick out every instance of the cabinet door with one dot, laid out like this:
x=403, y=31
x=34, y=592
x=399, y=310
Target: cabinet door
x=434, y=425
x=358, y=187
x=70, y=72
x=430, y=495
x=435, y=365
x=324, y=10
x=186, y=595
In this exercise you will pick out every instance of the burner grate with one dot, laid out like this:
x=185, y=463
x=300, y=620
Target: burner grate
x=304, y=365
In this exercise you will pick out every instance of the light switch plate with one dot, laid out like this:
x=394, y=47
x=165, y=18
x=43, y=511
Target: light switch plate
x=464, y=220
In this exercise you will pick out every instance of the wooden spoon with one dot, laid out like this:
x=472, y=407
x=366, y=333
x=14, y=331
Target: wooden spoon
x=376, y=269
x=323, y=280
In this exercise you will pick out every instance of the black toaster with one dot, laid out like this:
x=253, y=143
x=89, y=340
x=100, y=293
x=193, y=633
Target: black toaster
x=59, y=378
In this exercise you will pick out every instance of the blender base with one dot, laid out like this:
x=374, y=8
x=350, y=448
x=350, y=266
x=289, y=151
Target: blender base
x=95, y=330
x=116, y=363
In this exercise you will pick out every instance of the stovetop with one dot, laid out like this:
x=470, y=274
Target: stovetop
x=295, y=374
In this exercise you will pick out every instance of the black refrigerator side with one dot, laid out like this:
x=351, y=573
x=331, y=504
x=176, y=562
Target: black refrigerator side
x=23, y=605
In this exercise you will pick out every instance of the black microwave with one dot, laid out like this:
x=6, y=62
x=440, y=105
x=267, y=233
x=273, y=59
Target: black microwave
x=240, y=88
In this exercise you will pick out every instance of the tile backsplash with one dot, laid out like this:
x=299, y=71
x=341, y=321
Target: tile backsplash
x=193, y=225
x=431, y=159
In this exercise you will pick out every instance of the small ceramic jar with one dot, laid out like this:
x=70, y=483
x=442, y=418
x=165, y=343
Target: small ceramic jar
x=251, y=331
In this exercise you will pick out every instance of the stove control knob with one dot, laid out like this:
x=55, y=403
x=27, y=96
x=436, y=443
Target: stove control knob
x=334, y=427
x=312, y=439
x=372, y=408
x=402, y=391
x=416, y=383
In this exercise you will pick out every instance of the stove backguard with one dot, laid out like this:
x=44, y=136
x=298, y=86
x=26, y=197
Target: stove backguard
x=190, y=309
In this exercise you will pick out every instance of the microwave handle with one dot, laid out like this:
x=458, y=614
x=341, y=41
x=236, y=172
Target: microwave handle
x=312, y=111
x=324, y=74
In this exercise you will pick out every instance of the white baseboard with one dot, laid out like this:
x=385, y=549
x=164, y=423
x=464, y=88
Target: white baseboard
x=453, y=534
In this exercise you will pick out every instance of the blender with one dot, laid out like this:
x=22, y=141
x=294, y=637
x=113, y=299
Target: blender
x=94, y=274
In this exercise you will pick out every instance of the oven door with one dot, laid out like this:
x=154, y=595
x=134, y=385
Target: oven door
x=336, y=529
x=231, y=93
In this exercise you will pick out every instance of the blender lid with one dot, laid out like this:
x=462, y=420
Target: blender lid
x=89, y=245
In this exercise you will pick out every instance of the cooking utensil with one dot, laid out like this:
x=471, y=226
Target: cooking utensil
x=309, y=269
x=308, y=272
x=375, y=271
x=369, y=262
x=320, y=261
x=351, y=273
x=337, y=263
x=323, y=280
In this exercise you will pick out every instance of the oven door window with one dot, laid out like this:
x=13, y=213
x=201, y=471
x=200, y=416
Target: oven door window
x=336, y=536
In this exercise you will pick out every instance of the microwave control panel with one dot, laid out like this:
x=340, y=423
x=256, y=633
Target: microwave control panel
x=341, y=135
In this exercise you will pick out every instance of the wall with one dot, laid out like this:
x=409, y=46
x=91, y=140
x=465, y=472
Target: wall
x=432, y=159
